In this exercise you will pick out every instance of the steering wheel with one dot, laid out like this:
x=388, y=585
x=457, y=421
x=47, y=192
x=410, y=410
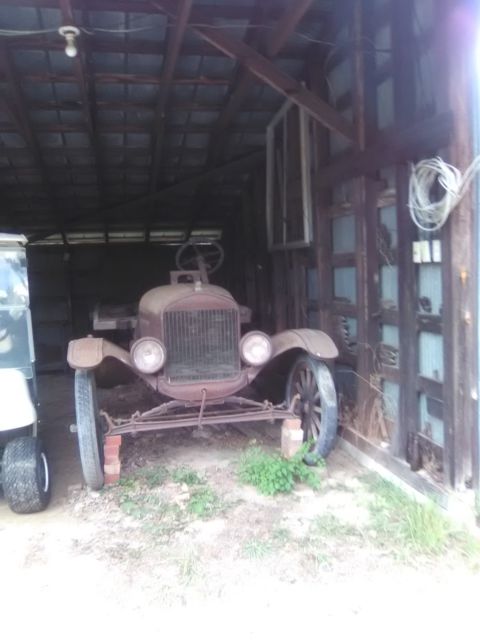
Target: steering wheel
x=193, y=253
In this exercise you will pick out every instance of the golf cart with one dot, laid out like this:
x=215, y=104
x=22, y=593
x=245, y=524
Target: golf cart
x=188, y=348
x=24, y=473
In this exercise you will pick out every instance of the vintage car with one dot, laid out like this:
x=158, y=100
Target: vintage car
x=188, y=348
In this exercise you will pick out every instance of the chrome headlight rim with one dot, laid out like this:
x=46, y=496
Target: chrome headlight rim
x=245, y=340
x=154, y=368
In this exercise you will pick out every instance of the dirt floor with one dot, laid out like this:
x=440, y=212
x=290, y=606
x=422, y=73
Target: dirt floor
x=182, y=546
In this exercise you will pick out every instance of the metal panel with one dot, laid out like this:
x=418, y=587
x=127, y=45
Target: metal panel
x=391, y=400
x=388, y=218
x=431, y=356
x=389, y=286
x=343, y=229
x=430, y=288
x=202, y=344
x=345, y=284
x=385, y=107
x=432, y=426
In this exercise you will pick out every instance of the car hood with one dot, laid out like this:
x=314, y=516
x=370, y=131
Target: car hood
x=158, y=299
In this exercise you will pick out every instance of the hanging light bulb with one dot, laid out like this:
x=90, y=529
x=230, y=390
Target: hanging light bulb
x=70, y=34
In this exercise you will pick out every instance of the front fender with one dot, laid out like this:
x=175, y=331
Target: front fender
x=88, y=353
x=316, y=343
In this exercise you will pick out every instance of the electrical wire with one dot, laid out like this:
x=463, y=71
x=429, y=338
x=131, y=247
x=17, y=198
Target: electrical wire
x=428, y=214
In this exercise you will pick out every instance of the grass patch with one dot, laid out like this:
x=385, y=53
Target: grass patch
x=272, y=474
x=184, y=475
x=143, y=505
x=329, y=526
x=188, y=567
x=410, y=527
x=204, y=503
x=256, y=549
x=150, y=476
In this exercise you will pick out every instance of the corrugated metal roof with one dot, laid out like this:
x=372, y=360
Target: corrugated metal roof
x=123, y=75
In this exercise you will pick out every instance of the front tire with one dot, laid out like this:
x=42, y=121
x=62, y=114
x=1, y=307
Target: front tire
x=25, y=475
x=89, y=429
x=316, y=406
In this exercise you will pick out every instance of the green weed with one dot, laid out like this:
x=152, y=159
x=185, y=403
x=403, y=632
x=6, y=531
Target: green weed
x=256, y=549
x=329, y=526
x=184, y=475
x=272, y=474
x=402, y=522
x=204, y=503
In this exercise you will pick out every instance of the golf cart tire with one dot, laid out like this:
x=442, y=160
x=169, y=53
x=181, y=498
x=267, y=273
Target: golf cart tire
x=89, y=431
x=25, y=475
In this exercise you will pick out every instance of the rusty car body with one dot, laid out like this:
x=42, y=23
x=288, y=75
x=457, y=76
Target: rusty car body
x=187, y=347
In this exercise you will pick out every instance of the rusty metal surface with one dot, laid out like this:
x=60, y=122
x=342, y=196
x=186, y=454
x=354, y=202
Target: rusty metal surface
x=158, y=299
x=88, y=353
x=316, y=343
x=85, y=353
x=175, y=414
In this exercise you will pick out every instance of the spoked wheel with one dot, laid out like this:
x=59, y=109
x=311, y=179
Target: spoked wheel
x=89, y=429
x=316, y=405
x=193, y=253
x=25, y=475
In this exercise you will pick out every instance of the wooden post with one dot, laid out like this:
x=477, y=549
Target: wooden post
x=404, y=102
x=365, y=207
x=322, y=232
x=458, y=37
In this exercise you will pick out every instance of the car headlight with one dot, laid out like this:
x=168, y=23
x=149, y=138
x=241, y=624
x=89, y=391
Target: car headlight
x=256, y=348
x=148, y=355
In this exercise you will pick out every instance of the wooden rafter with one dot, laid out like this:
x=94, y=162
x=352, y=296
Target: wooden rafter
x=18, y=113
x=239, y=164
x=173, y=49
x=266, y=71
x=273, y=44
x=224, y=11
x=120, y=78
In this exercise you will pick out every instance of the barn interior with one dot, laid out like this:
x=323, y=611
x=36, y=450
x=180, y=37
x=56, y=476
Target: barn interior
x=285, y=130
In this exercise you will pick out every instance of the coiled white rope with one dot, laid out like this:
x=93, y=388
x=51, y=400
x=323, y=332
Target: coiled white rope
x=431, y=215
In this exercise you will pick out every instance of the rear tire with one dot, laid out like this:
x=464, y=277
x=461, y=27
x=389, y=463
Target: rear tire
x=25, y=475
x=89, y=429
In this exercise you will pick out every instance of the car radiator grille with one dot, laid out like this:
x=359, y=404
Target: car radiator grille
x=201, y=345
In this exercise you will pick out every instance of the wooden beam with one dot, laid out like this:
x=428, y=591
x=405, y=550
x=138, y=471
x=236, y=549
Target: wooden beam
x=365, y=194
x=273, y=44
x=286, y=25
x=118, y=78
x=124, y=105
x=217, y=11
x=266, y=71
x=459, y=253
x=100, y=43
x=398, y=144
x=127, y=128
x=239, y=164
x=404, y=103
x=173, y=49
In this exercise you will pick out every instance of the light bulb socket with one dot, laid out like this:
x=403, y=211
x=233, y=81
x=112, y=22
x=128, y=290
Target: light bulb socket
x=70, y=33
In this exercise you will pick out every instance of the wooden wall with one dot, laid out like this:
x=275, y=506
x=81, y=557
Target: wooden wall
x=401, y=73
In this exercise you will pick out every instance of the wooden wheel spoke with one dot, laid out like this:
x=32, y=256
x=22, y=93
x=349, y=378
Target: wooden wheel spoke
x=317, y=410
x=303, y=378
x=308, y=379
x=315, y=426
x=316, y=397
x=298, y=387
